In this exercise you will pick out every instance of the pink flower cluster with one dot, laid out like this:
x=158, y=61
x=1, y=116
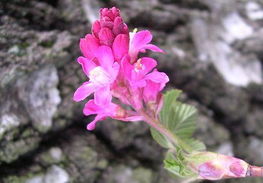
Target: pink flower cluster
x=117, y=77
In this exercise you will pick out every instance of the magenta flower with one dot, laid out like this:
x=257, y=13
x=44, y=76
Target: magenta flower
x=111, y=64
x=102, y=72
x=109, y=110
x=128, y=88
x=140, y=75
x=139, y=42
x=152, y=89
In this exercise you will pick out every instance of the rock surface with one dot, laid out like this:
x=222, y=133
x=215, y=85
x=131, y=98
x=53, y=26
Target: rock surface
x=213, y=53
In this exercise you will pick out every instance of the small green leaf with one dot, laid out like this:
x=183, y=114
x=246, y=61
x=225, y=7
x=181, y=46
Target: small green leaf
x=169, y=99
x=180, y=119
x=160, y=138
x=177, y=165
x=196, y=144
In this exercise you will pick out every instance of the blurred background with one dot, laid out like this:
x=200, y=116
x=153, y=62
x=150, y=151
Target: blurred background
x=214, y=53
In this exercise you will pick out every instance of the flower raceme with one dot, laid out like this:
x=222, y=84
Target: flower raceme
x=110, y=61
x=127, y=87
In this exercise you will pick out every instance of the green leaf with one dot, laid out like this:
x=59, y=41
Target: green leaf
x=196, y=144
x=169, y=99
x=180, y=119
x=177, y=165
x=160, y=138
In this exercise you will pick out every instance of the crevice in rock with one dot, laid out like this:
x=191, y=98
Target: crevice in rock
x=34, y=15
x=124, y=154
x=49, y=139
x=54, y=3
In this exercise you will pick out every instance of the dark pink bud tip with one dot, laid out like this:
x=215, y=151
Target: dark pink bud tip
x=96, y=28
x=106, y=37
x=118, y=26
x=111, y=13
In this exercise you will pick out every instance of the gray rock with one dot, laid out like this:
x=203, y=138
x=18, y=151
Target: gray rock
x=91, y=9
x=56, y=153
x=254, y=11
x=211, y=133
x=40, y=96
x=226, y=149
x=8, y=122
x=123, y=174
x=37, y=179
x=212, y=48
x=255, y=149
x=229, y=63
x=254, y=123
x=56, y=175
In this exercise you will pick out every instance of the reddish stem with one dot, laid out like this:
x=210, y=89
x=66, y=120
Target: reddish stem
x=255, y=171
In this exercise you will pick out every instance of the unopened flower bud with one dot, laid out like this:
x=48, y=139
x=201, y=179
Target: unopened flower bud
x=213, y=166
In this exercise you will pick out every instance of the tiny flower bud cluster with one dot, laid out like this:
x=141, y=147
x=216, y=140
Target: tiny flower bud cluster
x=110, y=61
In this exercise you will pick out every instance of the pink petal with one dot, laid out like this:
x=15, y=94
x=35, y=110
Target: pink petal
x=92, y=125
x=88, y=46
x=141, y=68
x=158, y=77
x=102, y=112
x=148, y=64
x=112, y=12
x=114, y=71
x=105, y=57
x=103, y=12
x=126, y=68
x=91, y=108
x=120, y=46
x=118, y=26
x=106, y=22
x=84, y=91
x=153, y=48
x=87, y=65
x=137, y=98
x=150, y=91
x=133, y=118
x=125, y=29
x=138, y=83
x=121, y=93
x=140, y=39
x=103, y=96
x=115, y=11
x=106, y=36
x=96, y=28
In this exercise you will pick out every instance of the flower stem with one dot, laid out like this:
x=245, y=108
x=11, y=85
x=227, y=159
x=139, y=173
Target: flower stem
x=255, y=171
x=155, y=123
